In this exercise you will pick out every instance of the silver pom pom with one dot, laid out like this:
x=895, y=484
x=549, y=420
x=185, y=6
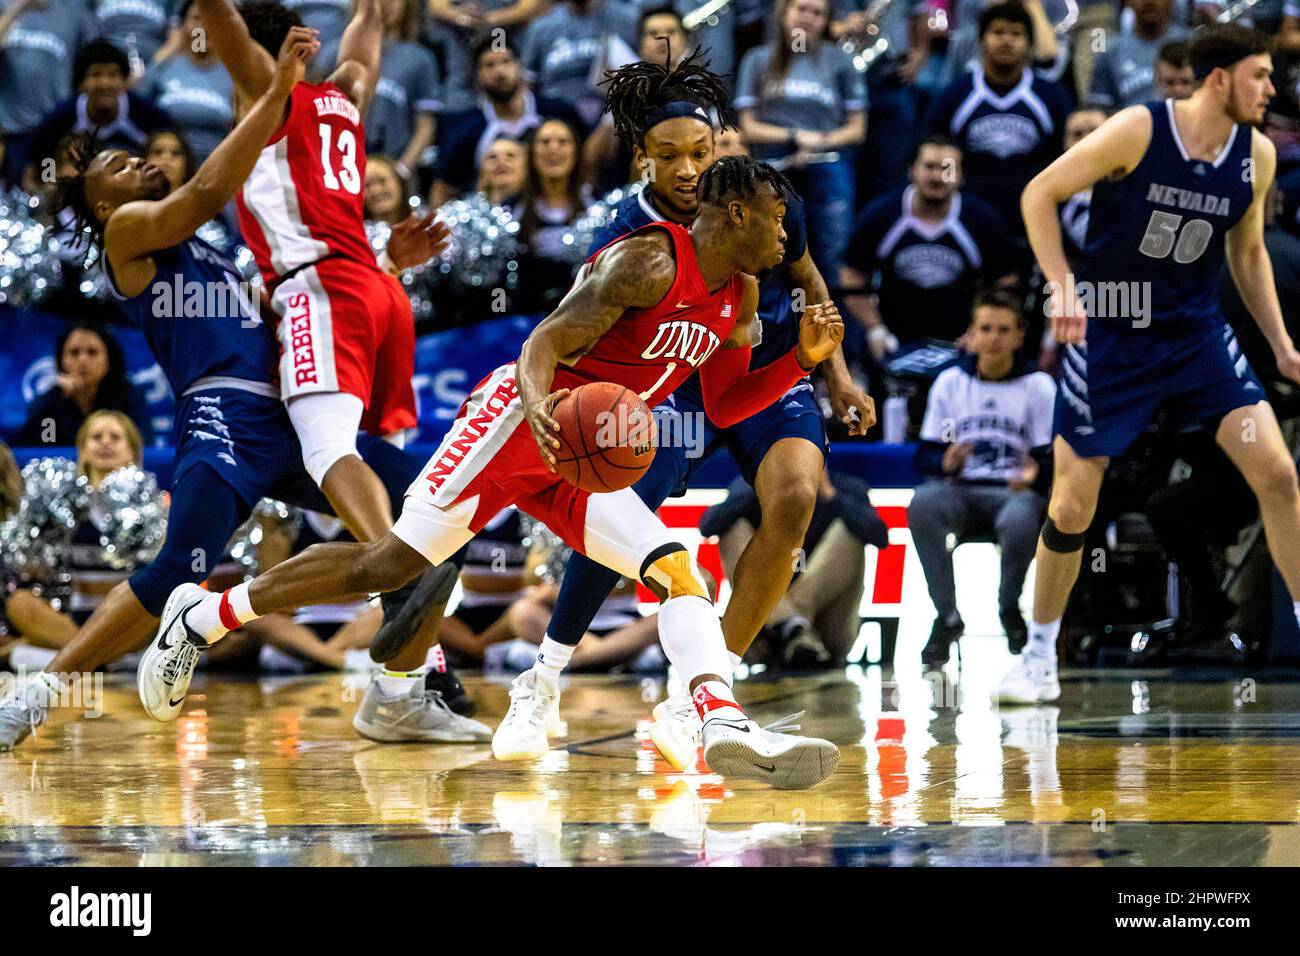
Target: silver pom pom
x=484, y=248
x=36, y=542
x=539, y=539
x=249, y=535
x=29, y=252
x=422, y=283
x=127, y=509
x=578, y=238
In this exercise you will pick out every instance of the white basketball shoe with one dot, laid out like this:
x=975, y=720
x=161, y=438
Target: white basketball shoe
x=533, y=718
x=1031, y=681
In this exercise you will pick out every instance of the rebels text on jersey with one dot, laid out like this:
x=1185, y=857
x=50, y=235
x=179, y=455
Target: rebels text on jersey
x=305, y=198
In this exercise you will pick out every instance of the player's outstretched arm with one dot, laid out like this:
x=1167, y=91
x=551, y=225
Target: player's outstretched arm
x=359, y=55
x=851, y=404
x=137, y=229
x=1249, y=263
x=732, y=393
x=250, y=67
x=634, y=273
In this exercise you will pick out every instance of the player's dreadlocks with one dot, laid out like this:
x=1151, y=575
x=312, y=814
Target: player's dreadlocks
x=80, y=149
x=637, y=90
x=739, y=177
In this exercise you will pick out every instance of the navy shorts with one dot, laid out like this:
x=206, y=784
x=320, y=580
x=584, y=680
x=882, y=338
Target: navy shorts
x=234, y=448
x=245, y=438
x=688, y=438
x=1112, y=386
x=794, y=415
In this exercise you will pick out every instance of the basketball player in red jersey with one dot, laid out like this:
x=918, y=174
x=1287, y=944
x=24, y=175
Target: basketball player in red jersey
x=346, y=330
x=662, y=283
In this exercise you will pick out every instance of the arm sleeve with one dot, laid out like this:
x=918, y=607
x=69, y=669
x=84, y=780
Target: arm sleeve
x=732, y=394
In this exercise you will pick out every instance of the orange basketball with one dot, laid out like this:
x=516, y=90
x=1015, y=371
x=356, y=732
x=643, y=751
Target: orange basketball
x=607, y=437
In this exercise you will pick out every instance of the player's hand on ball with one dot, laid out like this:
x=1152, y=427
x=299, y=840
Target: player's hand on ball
x=545, y=427
x=1069, y=320
x=821, y=330
x=297, y=51
x=417, y=239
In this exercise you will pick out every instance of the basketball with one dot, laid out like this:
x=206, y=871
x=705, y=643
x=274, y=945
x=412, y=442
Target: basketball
x=607, y=437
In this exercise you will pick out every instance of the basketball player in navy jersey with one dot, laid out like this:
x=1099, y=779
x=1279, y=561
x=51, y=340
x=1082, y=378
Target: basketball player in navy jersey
x=235, y=443
x=1178, y=189
x=662, y=113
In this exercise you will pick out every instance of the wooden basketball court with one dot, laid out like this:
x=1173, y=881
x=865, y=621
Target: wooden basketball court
x=1132, y=768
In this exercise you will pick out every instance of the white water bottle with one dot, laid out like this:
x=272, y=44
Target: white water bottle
x=894, y=421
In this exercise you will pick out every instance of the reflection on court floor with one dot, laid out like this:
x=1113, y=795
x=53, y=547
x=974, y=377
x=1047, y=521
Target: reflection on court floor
x=1130, y=768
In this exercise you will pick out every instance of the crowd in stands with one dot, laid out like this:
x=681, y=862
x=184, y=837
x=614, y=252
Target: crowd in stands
x=909, y=127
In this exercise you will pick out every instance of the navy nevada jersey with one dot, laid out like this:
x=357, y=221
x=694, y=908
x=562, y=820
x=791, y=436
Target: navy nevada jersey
x=1164, y=225
x=202, y=322
x=778, y=329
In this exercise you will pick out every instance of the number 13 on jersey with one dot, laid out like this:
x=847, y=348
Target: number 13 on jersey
x=348, y=177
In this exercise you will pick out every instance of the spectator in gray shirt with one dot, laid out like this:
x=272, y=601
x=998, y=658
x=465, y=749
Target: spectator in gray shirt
x=38, y=41
x=192, y=86
x=400, y=122
x=452, y=28
x=567, y=50
x=137, y=27
x=1124, y=74
x=1174, y=78
x=803, y=103
x=330, y=17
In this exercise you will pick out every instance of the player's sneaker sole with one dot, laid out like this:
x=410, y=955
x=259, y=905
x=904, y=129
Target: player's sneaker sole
x=1041, y=697
x=801, y=766
x=432, y=589
x=674, y=746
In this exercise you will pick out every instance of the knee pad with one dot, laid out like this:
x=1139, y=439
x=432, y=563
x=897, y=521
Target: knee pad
x=1054, y=539
x=327, y=430
x=670, y=572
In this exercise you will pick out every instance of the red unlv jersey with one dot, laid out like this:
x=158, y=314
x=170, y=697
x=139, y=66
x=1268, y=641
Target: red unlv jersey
x=305, y=198
x=652, y=351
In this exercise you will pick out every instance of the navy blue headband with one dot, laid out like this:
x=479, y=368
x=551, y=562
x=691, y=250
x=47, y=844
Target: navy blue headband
x=674, y=110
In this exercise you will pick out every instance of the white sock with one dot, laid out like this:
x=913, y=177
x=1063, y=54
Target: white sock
x=714, y=700
x=218, y=614
x=552, y=658
x=691, y=635
x=397, y=683
x=1295, y=606
x=735, y=661
x=1042, y=639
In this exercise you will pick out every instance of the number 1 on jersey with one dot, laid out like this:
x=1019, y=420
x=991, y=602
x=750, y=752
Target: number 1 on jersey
x=645, y=396
x=348, y=173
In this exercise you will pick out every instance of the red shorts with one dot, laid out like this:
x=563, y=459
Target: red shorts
x=489, y=461
x=489, y=453
x=346, y=326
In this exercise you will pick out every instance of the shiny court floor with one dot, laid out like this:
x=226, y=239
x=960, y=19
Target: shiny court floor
x=1131, y=768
